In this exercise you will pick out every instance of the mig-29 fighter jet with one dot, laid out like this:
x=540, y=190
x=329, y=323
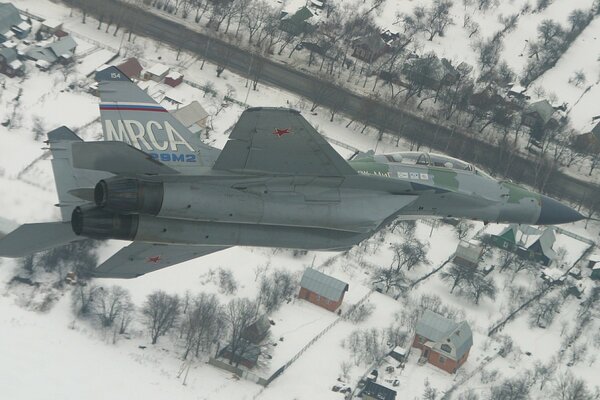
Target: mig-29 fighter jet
x=276, y=183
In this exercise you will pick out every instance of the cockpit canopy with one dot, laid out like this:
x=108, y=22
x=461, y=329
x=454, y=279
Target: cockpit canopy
x=429, y=159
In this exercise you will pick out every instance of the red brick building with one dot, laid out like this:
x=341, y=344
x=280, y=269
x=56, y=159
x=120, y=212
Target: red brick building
x=443, y=343
x=322, y=290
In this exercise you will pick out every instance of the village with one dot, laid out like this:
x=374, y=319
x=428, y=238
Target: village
x=431, y=309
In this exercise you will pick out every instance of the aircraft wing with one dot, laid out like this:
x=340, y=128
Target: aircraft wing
x=279, y=141
x=140, y=258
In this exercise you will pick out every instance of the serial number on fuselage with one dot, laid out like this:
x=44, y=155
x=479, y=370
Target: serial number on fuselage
x=173, y=157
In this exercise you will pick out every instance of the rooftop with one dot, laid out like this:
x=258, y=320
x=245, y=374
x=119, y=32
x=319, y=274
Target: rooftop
x=9, y=17
x=158, y=70
x=323, y=285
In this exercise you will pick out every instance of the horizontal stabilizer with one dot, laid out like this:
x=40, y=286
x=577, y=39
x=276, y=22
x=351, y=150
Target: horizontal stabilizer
x=117, y=158
x=32, y=238
x=86, y=194
x=140, y=258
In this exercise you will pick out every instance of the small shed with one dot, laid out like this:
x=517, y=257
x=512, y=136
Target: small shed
x=11, y=23
x=258, y=330
x=51, y=26
x=131, y=68
x=322, y=290
x=370, y=47
x=468, y=253
x=173, y=79
x=539, y=112
x=193, y=116
x=157, y=72
x=245, y=354
x=553, y=275
x=596, y=272
x=375, y=391
x=9, y=63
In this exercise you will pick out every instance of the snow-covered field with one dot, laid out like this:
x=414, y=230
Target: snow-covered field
x=53, y=355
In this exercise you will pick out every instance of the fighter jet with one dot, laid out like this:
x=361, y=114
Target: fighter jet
x=276, y=183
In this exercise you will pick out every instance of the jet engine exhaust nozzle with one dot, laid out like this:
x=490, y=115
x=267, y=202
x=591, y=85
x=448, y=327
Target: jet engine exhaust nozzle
x=126, y=195
x=97, y=223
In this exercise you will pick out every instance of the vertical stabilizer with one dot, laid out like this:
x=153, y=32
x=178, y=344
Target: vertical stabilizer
x=130, y=115
x=71, y=183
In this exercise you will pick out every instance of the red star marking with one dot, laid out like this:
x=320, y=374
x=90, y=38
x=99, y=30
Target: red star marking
x=154, y=259
x=280, y=132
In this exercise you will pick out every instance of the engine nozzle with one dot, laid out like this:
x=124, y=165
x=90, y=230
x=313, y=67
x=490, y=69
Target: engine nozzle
x=128, y=195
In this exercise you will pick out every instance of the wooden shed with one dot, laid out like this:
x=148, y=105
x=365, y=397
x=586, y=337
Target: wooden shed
x=322, y=290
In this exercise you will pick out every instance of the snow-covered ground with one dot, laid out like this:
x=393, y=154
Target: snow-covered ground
x=52, y=355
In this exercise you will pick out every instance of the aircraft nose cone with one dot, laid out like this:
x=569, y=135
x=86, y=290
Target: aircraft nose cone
x=553, y=212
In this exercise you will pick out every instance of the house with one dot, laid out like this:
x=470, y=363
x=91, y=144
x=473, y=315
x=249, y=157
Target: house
x=173, y=79
x=62, y=50
x=193, y=116
x=443, y=342
x=370, y=47
x=506, y=239
x=245, y=354
x=157, y=72
x=51, y=26
x=538, y=113
x=596, y=272
x=258, y=330
x=468, y=253
x=589, y=140
x=375, y=391
x=297, y=23
x=593, y=260
x=431, y=71
x=527, y=242
x=9, y=63
x=11, y=23
x=322, y=290
x=539, y=248
x=131, y=68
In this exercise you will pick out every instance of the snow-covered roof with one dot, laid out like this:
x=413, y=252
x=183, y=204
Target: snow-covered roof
x=63, y=47
x=191, y=114
x=16, y=64
x=9, y=17
x=158, y=70
x=24, y=26
x=553, y=273
x=8, y=54
x=324, y=285
x=9, y=44
x=174, y=75
x=434, y=327
x=52, y=24
x=594, y=257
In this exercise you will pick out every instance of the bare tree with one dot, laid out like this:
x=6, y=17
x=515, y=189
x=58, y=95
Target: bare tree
x=160, y=313
x=227, y=282
x=390, y=278
x=409, y=254
x=512, y=389
x=202, y=325
x=543, y=312
x=478, y=286
x=275, y=289
x=456, y=274
x=82, y=298
x=568, y=387
x=110, y=304
x=463, y=228
x=239, y=314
